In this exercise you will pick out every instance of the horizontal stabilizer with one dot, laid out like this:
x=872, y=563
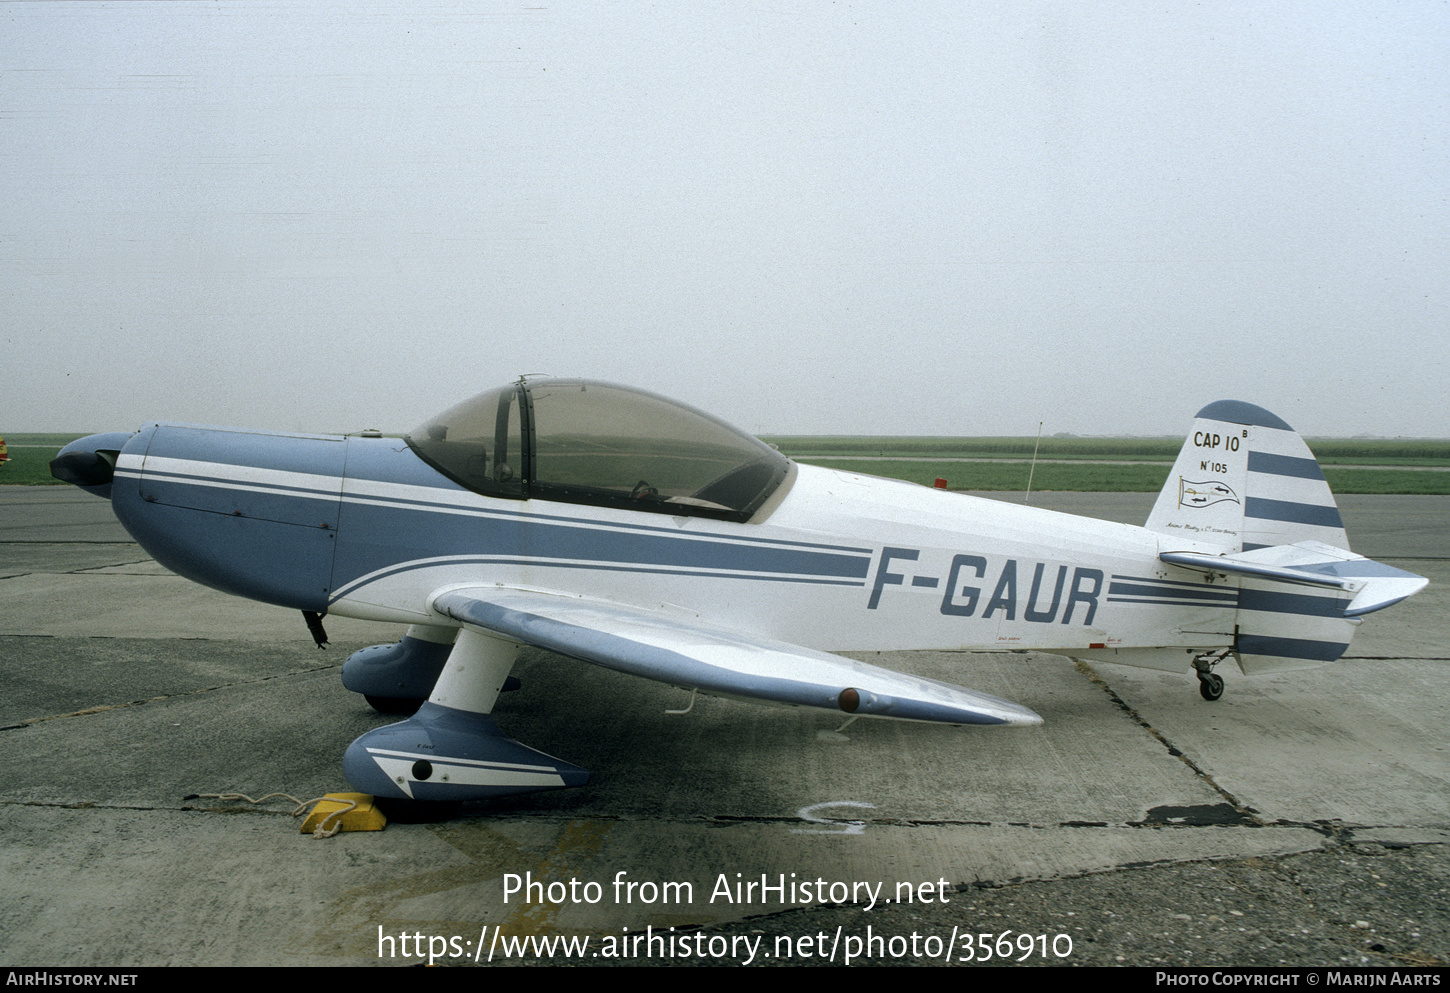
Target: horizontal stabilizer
x=1374, y=584
x=681, y=653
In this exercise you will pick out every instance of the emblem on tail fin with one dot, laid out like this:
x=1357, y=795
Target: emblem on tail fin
x=1191, y=494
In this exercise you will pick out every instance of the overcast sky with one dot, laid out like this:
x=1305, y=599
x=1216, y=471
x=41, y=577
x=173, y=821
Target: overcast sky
x=956, y=218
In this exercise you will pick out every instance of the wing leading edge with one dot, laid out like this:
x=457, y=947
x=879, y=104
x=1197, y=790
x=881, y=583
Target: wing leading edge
x=716, y=661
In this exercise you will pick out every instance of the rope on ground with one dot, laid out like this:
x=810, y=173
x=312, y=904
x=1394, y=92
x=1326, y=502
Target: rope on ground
x=329, y=825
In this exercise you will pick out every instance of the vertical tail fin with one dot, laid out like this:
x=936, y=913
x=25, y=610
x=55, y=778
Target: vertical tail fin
x=1244, y=480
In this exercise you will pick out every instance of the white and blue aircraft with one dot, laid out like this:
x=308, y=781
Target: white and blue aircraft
x=618, y=527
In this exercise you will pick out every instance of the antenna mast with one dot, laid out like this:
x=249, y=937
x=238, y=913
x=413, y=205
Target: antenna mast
x=1031, y=472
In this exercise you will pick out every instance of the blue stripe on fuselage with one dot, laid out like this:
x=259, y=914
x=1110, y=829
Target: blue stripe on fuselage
x=631, y=568
x=390, y=461
x=286, y=478
x=384, y=534
x=415, y=517
x=373, y=538
x=1169, y=592
x=1130, y=586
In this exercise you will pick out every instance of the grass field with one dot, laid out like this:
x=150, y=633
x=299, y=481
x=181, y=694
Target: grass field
x=31, y=466
x=1329, y=451
x=1113, y=478
x=923, y=460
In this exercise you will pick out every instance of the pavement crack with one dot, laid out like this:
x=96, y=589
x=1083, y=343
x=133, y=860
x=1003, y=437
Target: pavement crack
x=1395, y=658
x=186, y=807
x=102, y=708
x=90, y=569
x=1248, y=814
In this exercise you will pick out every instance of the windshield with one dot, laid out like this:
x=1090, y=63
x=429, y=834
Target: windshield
x=478, y=443
x=578, y=441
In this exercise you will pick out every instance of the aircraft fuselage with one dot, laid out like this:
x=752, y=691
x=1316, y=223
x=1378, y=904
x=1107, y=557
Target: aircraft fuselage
x=362, y=527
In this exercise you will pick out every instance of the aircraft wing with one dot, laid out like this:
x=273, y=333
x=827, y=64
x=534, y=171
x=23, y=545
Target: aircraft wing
x=716, y=661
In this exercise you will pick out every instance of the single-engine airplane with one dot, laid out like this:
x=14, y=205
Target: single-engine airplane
x=618, y=527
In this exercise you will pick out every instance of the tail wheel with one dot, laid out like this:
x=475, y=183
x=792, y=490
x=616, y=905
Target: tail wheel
x=1210, y=686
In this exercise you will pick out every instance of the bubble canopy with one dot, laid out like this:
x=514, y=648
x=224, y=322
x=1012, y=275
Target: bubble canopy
x=580, y=441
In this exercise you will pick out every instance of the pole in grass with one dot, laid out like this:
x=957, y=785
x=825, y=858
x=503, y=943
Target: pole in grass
x=1028, y=495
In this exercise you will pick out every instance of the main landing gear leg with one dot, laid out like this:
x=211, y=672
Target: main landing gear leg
x=1210, y=683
